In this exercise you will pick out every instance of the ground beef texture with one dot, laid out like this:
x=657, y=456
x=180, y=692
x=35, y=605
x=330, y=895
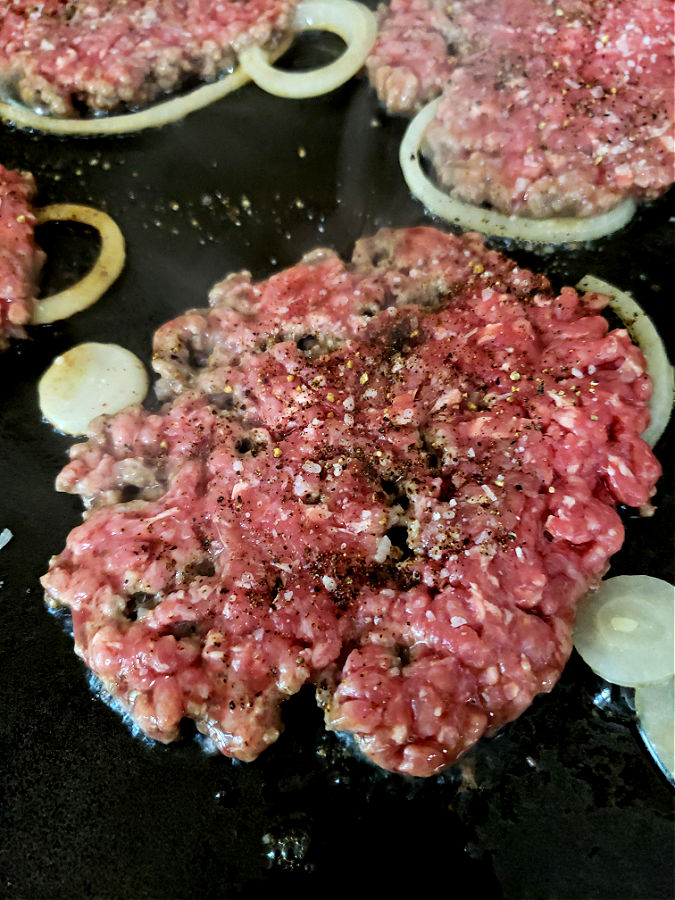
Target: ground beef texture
x=391, y=479
x=68, y=56
x=548, y=109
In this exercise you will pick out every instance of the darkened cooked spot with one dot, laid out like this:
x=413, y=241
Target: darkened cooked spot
x=307, y=343
x=447, y=490
x=222, y=400
x=129, y=492
x=204, y=568
x=398, y=535
x=139, y=600
x=396, y=492
x=380, y=255
x=403, y=654
x=389, y=487
x=198, y=357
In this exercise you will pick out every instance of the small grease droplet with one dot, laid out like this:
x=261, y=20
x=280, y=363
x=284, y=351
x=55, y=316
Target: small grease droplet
x=287, y=849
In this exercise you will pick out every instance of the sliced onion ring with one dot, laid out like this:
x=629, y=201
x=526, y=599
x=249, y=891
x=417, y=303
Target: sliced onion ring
x=655, y=709
x=103, y=273
x=352, y=21
x=155, y=116
x=644, y=333
x=475, y=218
x=90, y=380
x=624, y=630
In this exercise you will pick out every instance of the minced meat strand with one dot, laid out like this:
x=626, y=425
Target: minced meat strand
x=391, y=479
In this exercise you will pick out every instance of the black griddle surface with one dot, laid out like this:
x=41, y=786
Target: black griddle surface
x=563, y=803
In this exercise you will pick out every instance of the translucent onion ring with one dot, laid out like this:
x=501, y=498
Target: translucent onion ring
x=644, y=333
x=347, y=18
x=475, y=218
x=624, y=630
x=88, y=381
x=654, y=709
x=152, y=117
x=352, y=21
x=102, y=274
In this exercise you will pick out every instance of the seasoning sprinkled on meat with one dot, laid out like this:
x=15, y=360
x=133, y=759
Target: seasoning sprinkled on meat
x=547, y=109
x=20, y=258
x=391, y=479
x=59, y=56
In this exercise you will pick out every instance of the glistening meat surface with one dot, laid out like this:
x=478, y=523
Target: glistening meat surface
x=20, y=258
x=62, y=55
x=391, y=479
x=548, y=109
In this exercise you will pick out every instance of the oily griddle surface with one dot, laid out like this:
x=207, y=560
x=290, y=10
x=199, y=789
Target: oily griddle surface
x=565, y=802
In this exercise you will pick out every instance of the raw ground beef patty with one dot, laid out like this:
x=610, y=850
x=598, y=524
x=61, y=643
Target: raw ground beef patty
x=20, y=258
x=391, y=479
x=62, y=55
x=547, y=109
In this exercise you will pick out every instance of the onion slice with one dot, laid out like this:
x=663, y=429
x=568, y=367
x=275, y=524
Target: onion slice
x=352, y=21
x=90, y=380
x=644, y=333
x=103, y=273
x=155, y=116
x=152, y=117
x=487, y=221
x=624, y=630
x=655, y=709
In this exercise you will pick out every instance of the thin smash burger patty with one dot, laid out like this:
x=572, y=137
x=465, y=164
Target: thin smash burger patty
x=20, y=258
x=60, y=55
x=547, y=109
x=392, y=479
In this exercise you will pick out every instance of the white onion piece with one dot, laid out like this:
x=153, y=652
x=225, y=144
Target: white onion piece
x=5, y=537
x=644, y=333
x=624, y=630
x=155, y=116
x=103, y=273
x=474, y=218
x=352, y=21
x=655, y=708
x=90, y=380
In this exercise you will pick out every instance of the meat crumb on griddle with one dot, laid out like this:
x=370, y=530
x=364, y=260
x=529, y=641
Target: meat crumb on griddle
x=391, y=479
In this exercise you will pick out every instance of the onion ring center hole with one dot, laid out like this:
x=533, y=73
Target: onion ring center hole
x=311, y=49
x=71, y=249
